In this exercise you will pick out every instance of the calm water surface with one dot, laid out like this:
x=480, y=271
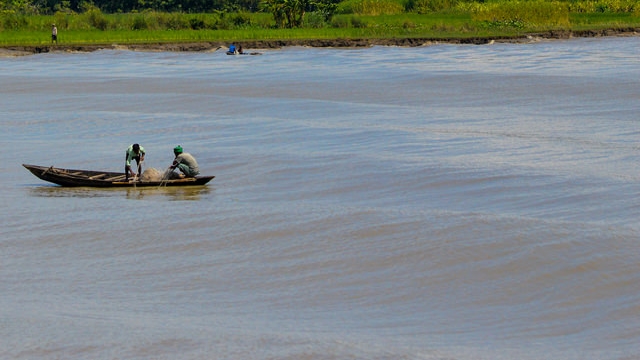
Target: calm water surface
x=443, y=202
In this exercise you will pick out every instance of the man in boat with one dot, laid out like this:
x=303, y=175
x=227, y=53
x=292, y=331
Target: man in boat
x=185, y=162
x=134, y=152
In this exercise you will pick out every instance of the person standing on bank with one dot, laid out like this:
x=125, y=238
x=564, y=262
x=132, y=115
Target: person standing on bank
x=185, y=162
x=54, y=34
x=134, y=152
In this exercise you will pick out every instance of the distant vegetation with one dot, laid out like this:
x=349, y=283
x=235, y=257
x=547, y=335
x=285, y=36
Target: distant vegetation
x=24, y=21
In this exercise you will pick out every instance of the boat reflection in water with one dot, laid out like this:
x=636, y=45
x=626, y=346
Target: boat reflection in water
x=173, y=193
x=185, y=193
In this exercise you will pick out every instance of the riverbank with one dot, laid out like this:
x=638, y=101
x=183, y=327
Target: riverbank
x=204, y=46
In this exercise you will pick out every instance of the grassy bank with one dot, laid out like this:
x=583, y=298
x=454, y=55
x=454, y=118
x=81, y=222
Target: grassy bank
x=85, y=29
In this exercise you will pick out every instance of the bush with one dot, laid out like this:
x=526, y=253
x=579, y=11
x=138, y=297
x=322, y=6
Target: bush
x=62, y=19
x=172, y=21
x=241, y=19
x=196, y=24
x=139, y=23
x=430, y=6
x=523, y=13
x=340, y=22
x=96, y=19
x=357, y=22
x=224, y=23
x=604, y=6
x=370, y=7
x=344, y=22
x=13, y=21
x=315, y=20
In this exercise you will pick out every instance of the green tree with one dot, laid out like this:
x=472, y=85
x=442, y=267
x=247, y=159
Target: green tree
x=277, y=8
x=327, y=8
x=18, y=6
x=290, y=13
x=295, y=10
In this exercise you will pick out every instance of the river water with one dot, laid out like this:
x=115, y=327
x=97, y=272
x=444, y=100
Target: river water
x=443, y=202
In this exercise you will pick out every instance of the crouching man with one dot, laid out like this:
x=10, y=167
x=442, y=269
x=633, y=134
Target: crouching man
x=185, y=162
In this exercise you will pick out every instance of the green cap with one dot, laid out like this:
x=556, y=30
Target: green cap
x=177, y=149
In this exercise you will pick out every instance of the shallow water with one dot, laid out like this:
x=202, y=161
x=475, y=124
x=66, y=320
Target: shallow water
x=442, y=202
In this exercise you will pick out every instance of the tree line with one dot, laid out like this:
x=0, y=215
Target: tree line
x=291, y=13
x=286, y=13
x=47, y=7
x=284, y=9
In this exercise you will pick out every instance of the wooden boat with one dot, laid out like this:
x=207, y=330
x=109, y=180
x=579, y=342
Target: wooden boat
x=70, y=177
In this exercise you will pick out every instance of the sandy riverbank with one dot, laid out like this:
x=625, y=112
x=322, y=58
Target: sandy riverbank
x=275, y=44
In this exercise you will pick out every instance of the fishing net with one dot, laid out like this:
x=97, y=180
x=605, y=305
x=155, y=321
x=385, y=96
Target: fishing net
x=151, y=174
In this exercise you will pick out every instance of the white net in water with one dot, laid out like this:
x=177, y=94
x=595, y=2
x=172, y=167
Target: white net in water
x=151, y=174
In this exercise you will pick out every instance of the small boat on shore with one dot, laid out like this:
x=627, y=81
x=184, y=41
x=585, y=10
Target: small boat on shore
x=71, y=177
x=243, y=53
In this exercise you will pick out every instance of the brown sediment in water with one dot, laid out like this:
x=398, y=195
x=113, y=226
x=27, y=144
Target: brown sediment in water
x=338, y=43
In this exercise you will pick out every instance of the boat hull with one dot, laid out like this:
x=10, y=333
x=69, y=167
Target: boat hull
x=104, y=179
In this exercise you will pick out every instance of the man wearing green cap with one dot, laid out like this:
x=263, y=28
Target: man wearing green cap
x=185, y=162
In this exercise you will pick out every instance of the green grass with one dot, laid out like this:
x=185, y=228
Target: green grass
x=601, y=21
x=89, y=37
x=73, y=29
